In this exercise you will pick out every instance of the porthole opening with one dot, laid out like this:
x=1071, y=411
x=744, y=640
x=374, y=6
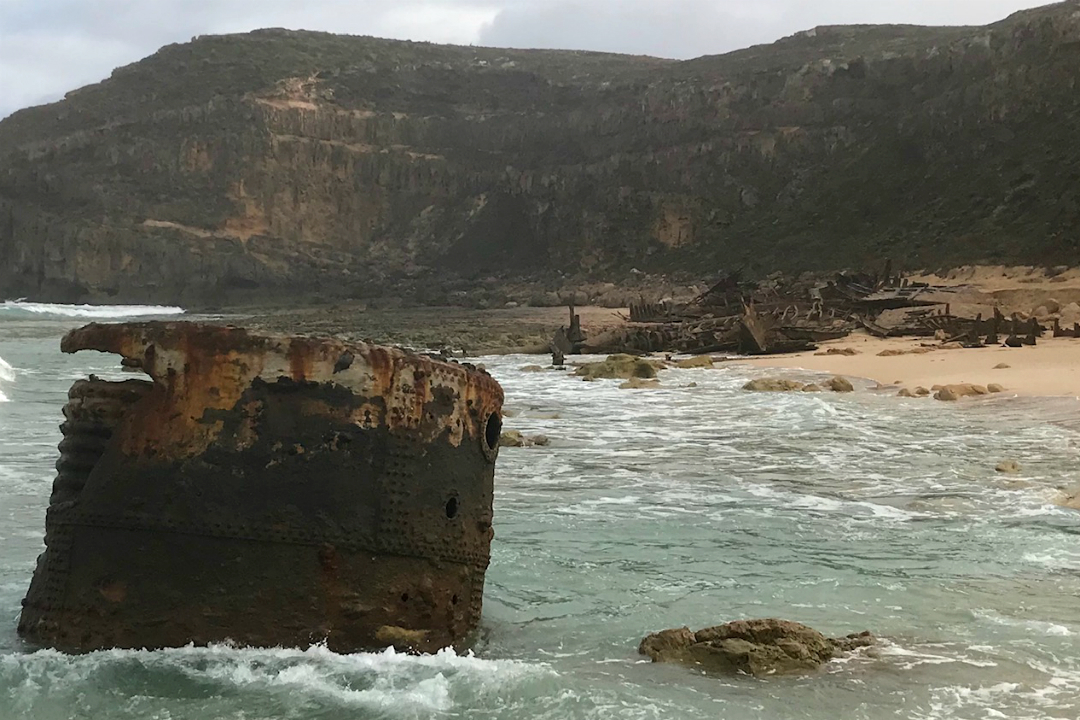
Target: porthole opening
x=492, y=431
x=452, y=508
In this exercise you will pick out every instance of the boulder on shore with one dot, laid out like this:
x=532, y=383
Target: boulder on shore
x=755, y=647
x=951, y=393
x=621, y=367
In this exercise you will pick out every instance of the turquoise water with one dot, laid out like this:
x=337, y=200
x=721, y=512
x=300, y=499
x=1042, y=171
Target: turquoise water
x=650, y=509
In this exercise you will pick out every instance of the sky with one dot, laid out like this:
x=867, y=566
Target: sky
x=48, y=47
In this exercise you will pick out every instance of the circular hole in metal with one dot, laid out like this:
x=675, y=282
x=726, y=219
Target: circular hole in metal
x=452, y=508
x=492, y=431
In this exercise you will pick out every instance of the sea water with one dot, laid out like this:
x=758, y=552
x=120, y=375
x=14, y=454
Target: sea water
x=693, y=504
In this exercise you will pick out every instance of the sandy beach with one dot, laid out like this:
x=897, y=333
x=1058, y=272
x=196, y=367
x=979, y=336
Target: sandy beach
x=1051, y=368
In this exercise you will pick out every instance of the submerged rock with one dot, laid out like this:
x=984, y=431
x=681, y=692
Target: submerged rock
x=1008, y=466
x=639, y=384
x=1070, y=499
x=755, y=647
x=617, y=367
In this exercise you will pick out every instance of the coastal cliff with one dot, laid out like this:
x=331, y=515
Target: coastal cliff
x=288, y=164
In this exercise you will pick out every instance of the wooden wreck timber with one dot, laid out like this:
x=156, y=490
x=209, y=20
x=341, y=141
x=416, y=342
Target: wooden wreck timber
x=268, y=490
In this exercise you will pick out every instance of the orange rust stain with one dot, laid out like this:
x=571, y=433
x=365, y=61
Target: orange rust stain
x=299, y=360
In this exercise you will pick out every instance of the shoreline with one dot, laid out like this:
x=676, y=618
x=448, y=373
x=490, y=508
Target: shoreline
x=1049, y=369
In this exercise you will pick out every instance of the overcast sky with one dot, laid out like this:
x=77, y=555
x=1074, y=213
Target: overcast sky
x=48, y=47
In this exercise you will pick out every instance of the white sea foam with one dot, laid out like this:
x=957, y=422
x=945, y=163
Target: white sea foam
x=22, y=308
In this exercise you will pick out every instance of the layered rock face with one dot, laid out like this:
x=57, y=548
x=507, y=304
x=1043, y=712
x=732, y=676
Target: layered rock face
x=289, y=164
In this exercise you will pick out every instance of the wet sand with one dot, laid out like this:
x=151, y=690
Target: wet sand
x=1051, y=368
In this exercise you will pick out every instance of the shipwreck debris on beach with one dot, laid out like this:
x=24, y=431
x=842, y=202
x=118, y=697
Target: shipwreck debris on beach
x=269, y=490
x=782, y=315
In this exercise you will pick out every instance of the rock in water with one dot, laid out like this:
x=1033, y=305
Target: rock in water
x=619, y=367
x=840, y=385
x=774, y=385
x=754, y=647
x=511, y=438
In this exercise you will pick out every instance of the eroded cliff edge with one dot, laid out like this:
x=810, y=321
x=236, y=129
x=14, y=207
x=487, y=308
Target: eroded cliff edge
x=281, y=163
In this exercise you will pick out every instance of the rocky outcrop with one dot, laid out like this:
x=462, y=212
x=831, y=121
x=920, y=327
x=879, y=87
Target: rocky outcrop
x=275, y=161
x=754, y=647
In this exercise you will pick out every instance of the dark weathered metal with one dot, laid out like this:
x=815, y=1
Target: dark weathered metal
x=268, y=490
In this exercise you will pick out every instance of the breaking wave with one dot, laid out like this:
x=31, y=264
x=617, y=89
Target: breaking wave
x=306, y=683
x=7, y=375
x=23, y=309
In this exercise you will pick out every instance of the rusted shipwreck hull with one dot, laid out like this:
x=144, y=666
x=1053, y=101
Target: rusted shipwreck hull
x=268, y=490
